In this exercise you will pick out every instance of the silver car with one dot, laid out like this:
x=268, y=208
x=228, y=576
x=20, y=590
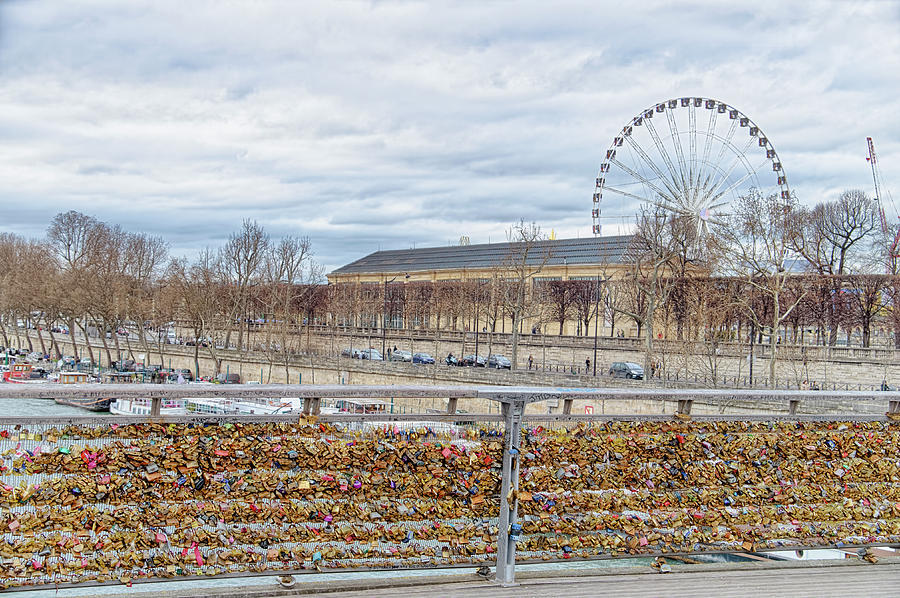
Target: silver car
x=400, y=355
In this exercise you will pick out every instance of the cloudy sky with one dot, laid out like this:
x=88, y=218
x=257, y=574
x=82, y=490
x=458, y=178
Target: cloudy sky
x=387, y=125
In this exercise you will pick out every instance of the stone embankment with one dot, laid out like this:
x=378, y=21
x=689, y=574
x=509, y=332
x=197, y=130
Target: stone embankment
x=319, y=369
x=728, y=365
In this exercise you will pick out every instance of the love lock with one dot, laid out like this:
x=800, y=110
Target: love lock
x=515, y=531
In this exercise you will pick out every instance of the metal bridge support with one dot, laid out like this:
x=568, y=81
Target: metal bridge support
x=567, y=406
x=451, y=405
x=684, y=407
x=513, y=413
x=155, y=406
x=793, y=406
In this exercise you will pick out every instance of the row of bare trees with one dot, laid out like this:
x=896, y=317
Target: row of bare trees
x=771, y=263
x=95, y=280
x=770, y=270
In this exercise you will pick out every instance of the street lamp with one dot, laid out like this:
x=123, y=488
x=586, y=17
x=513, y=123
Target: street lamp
x=384, y=315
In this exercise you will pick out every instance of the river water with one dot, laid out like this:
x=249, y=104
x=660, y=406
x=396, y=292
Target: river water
x=39, y=408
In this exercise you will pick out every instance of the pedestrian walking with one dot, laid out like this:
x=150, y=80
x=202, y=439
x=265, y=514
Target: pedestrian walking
x=587, y=366
x=530, y=362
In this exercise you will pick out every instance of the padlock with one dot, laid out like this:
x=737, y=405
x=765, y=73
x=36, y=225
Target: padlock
x=515, y=531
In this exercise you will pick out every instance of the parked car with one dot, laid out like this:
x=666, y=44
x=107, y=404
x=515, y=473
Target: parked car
x=423, y=358
x=499, y=361
x=626, y=369
x=229, y=378
x=400, y=355
x=186, y=374
x=472, y=361
x=372, y=354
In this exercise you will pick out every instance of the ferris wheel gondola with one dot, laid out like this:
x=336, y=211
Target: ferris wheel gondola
x=687, y=169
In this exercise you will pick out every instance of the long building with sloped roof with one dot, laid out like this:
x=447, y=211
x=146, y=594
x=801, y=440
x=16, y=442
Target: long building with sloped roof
x=559, y=259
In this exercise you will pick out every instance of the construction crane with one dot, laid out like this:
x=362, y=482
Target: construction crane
x=894, y=249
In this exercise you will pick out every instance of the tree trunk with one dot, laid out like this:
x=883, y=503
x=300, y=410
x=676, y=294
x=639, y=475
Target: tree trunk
x=71, y=324
x=116, y=343
x=773, y=358
x=515, y=342
x=54, y=346
x=648, y=342
x=129, y=347
x=41, y=338
x=15, y=320
x=144, y=344
x=215, y=358
x=87, y=343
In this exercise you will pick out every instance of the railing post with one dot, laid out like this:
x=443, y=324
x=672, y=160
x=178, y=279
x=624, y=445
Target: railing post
x=312, y=405
x=793, y=405
x=567, y=406
x=894, y=409
x=509, y=503
x=155, y=406
x=451, y=405
x=684, y=408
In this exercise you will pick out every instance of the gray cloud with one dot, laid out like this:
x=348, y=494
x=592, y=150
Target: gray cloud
x=399, y=123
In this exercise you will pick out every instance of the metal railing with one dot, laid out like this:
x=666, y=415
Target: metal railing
x=118, y=500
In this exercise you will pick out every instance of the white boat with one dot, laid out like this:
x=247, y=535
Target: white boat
x=220, y=406
x=143, y=407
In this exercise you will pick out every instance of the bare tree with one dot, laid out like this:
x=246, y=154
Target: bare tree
x=835, y=239
x=865, y=295
x=527, y=255
x=651, y=258
x=760, y=236
x=81, y=243
x=241, y=261
x=290, y=278
x=560, y=298
x=145, y=258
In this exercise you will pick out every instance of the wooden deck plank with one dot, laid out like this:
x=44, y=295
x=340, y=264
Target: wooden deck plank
x=821, y=582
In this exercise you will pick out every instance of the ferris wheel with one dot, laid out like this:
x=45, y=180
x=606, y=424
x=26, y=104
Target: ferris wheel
x=689, y=156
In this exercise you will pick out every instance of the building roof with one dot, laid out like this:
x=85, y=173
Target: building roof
x=571, y=252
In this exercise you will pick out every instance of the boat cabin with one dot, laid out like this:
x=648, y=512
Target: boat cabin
x=18, y=371
x=22, y=369
x=74, y=378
